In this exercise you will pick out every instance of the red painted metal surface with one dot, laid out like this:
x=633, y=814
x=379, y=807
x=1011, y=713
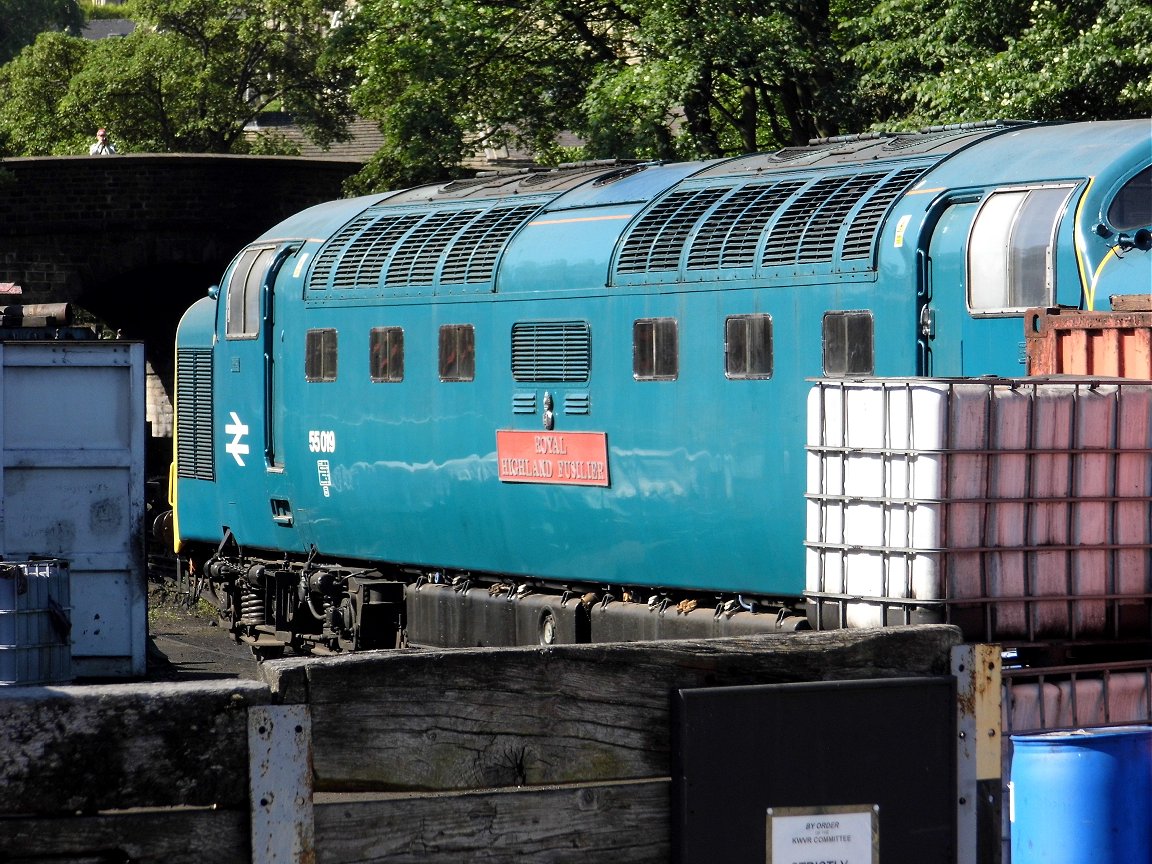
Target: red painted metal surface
x=567, y=458
x=1099, y=344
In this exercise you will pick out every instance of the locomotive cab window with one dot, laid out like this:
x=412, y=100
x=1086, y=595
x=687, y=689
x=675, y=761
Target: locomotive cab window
x=655, y=349
x=320, y=355
x=748, y=347
x=386, y=354
x=457, y=352
x=848, y=344
x=1010, y=249
x=244, y=289
x=1132, y=206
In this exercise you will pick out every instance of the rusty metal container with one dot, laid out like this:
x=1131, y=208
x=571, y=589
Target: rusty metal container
x=1100, y=344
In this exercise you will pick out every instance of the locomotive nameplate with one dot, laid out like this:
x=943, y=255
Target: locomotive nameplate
x=566, y=458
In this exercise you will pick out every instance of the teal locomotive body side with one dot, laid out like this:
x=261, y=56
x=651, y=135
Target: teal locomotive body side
x=593, y=379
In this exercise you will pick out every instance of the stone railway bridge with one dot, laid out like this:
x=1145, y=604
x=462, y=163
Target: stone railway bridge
x=136, y=239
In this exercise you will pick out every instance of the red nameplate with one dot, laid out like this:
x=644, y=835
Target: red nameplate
x=569, y=458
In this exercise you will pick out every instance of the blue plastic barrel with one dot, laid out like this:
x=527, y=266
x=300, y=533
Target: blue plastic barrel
x=1082, y=797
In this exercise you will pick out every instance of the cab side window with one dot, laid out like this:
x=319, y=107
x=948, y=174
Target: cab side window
x=1132, y=206
x=1010, y=249
x=244, y=289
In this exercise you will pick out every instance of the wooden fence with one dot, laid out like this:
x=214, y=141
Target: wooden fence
x=480, y=755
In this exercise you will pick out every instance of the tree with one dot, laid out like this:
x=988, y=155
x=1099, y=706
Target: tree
x=926, y=62
x=634, y=78
x=33, y=119
x=21, y=21
x=190, y=78
x=445, y=78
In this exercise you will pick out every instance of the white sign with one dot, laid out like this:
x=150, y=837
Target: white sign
x=822, y=835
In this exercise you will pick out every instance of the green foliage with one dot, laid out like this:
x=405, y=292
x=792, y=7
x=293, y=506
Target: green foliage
x=962, y=60
x=189, y=79
x=34, y=121
x=120, y=10
x=645, y=79
x=21, y=21
x=654, y=79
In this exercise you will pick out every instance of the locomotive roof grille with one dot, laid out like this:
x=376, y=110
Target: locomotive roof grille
x=787, y=235
x=326, y=260
x=730, y=235
x=473, y=257
x=819, y=239
x=363, y=260
x=401, y=248
x=415, y=260
x=798, y=221
x=860, y=239
x=657, y=240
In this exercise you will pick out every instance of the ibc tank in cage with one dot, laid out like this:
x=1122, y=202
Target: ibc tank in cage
x=35, y=624
x=1016, y=508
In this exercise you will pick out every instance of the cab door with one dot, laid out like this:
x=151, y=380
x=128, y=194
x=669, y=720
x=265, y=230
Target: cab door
x=988, y=257
x=247, y=405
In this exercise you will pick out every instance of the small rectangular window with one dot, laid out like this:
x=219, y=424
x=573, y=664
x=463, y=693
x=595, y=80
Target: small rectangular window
x=457, y=352
x=386, y=354
x=655, y=349
x=848, y=348
x=245, y=285
x=320, y=355
x=748, y=346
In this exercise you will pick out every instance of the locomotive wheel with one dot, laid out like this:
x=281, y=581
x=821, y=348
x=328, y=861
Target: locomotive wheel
x=547, y=631
x=348, y=635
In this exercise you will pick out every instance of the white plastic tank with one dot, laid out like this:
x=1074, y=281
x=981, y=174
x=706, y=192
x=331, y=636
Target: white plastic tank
x=1016, y=508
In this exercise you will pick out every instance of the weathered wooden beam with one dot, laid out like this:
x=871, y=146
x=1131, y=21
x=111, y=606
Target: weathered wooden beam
x=440, y=720
x=152, y=837
x=623, y=823
x=118, y=746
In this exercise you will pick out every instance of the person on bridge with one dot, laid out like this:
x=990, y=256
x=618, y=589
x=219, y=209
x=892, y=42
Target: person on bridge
x=103, y=146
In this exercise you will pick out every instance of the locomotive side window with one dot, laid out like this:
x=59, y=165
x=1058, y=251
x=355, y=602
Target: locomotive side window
x=457, y=352
x=320, y=355
x=1010, y=261
x=1132, y=206
x=386, y=354
x=655, y=349
x=748, y=346
x=848, y=344
x=244, y=288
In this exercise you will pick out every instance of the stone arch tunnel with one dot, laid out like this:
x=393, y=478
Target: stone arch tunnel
x=136, y=239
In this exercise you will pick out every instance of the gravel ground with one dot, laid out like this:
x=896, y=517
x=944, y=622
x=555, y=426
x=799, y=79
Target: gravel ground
x=187, y=643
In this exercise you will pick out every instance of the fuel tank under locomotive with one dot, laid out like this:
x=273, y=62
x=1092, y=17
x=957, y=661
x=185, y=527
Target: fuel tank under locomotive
x=314, y=607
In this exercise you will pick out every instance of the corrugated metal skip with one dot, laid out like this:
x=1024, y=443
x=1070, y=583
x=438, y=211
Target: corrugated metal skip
x=1016, y=508
x=1072, y=342
x=72, y=486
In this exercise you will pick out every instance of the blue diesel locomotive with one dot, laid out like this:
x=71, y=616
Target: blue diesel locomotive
x=568, y=405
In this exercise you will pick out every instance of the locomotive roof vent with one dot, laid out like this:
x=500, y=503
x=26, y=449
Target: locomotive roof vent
x=396, y=249
x=764, y=224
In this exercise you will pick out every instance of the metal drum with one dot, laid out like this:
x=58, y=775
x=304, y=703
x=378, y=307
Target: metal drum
x=1082, y=797
x=35, y=647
